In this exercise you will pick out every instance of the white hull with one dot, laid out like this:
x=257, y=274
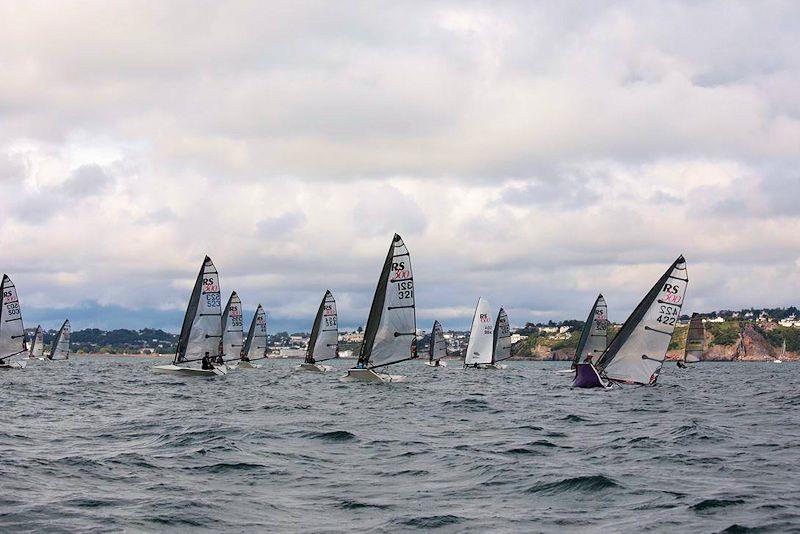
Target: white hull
x=314, y=367
x=188, y=371
x=566, y=371
x=368, y=375
x=777, y=361
x=433, y=364
x=19, y=364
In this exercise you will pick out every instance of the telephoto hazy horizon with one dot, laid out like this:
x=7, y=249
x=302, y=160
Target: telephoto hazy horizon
x=398, y=266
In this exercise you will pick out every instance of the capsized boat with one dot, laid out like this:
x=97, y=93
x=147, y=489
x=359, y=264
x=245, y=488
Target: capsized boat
x=438, y=347
x=390, y=336
x=480, y=348
x=255, y=347
x=637, y=352
x=59, y=350
x=695, y=341
x=324, y=342
x=12, y=333
x=232, y=336
x=594, y=336
x=201, y=333
x=36, y=350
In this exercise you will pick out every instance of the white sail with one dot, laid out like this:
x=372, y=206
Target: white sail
x=390, y=335
x=255, y=347
x=201, y=332
x=637, y=352
x=481, y=335
x=232, y=335
x=324, y=342
x=695, y=340
x=438, y=346
x=37, y=343
x=12, y=333
x=502, y=338
x=60, y=348
x=594, y=336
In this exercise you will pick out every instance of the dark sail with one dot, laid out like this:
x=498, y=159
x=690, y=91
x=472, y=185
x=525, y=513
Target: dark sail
x=594, y=338
x=324, y=341
x=201, y=331
x=390, y=334
x=502, y=333
x=12, y=333
x=60, y=348
x=255, y=346
x=695, y=340
x=438, y=346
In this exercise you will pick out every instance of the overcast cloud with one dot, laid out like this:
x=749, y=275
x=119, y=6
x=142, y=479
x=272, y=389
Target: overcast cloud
x=533, y=153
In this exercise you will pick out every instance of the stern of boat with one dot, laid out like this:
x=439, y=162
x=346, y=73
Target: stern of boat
x=586, y=376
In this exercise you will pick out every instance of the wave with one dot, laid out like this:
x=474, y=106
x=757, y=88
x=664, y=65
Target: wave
x=710, y=504
x=334, y=436
x=585, y=484
x=434, y=521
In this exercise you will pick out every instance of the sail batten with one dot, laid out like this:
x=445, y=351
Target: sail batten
x=481, y=335
x=12, y=332
x=201, y=332
x=255, y=346
x=392, y=317
x=60, y=347
x=324, y=342
x=502, y=334
x=637, y=352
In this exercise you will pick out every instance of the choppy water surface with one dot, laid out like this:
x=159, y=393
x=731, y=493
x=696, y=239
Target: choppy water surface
x=103, y=444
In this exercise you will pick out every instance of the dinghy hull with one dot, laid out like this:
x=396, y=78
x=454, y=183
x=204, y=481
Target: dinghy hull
x=491, y=366
x=586, y=376
x=368, y=375
x=188, y=371
x=314, y=367
x=13, y=365
x=566, y=371
x=436, y=364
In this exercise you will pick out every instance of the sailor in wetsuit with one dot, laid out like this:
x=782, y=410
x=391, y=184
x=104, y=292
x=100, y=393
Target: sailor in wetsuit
x=206, y=364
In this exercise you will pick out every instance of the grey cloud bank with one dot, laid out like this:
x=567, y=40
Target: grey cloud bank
x=531, y=153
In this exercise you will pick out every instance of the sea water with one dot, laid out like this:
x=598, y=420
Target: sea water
x=102, y=444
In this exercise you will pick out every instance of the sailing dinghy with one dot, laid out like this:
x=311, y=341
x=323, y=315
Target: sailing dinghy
x=480, y=348
x=502, y=340
x=36, y=351
x=695, y=341
x=438, y=347
x=255, y=347
x=779, y=359
x=12, y=333
x=59, y=350
x=390, y=336
x=638, y=351
x=201, y=333
x=324, y=342
x=594, y=336
x=232, y=335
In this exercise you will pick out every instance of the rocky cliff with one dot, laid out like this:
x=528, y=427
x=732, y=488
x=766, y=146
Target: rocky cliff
x=755, y=348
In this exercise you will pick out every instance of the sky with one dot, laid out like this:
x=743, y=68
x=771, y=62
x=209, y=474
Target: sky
x=534, y=153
